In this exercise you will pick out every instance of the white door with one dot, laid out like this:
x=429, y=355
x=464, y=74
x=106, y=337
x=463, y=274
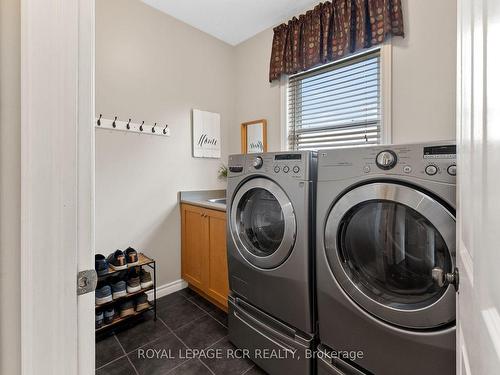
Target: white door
x=478, y=224
x=57, y=186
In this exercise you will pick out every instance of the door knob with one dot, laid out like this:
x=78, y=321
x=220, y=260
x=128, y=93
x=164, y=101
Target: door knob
x=444, y=278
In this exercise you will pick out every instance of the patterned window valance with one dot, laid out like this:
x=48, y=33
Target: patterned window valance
x=330, y=31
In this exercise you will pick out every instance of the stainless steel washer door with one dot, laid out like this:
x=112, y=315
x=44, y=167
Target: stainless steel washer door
x=382, y=241
x=263, y=223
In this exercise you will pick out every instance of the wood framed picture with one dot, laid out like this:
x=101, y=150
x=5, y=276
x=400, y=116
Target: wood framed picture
x=254, y=137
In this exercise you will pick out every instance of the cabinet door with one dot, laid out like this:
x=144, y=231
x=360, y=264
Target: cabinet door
x=218, y=284
x=194, y=246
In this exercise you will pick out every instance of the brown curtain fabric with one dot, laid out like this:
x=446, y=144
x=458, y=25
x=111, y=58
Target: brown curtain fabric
x=331, y=30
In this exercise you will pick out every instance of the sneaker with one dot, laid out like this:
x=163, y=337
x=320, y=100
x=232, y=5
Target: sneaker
x=103, y=295
x=99, y=318
x=101, y=265
x=141, y=302
x=117, y=260
x=109, y=315
x=127, y=308
x=146, y=280
x=133, y=281
x=132, y=257
x=119, y=288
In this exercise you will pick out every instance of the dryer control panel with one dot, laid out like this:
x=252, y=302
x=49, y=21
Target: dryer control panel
x=434, y=161
x=445, y=155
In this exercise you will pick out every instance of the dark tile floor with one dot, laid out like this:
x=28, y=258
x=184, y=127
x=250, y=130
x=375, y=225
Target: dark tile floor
x=186, y=322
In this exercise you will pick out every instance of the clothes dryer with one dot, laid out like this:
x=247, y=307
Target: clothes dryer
x=386, y=277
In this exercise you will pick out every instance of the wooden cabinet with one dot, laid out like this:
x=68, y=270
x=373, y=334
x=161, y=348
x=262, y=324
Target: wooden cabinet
x=194, y=245
x=204, y=253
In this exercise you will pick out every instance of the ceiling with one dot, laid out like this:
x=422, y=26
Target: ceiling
x=232, y=21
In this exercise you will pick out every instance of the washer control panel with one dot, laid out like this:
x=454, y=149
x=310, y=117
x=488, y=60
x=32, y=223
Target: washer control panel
x=433, y=161
x=288, y=164
x=294, y=164
x=258, y=162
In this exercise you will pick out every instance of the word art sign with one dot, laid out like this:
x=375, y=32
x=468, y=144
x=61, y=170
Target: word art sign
x=206, y=134
x=254, y=137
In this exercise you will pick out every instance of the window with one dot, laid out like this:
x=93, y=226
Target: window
x=338, y=105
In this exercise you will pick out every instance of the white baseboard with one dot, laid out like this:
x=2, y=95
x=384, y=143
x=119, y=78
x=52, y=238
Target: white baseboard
x=165, y=289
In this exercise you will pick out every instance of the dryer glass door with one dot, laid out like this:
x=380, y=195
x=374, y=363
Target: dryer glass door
x=263, y=223
x=387, y=240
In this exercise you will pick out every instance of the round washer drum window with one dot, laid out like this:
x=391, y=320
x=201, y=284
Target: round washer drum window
x=388, y=251
x=260, y=221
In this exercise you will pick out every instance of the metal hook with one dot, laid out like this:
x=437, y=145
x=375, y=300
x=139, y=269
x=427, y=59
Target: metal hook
x=165, y=129
x=99, y=120
x=153, y=128
x=128, y=124
x=140, y=127
x=114, y=122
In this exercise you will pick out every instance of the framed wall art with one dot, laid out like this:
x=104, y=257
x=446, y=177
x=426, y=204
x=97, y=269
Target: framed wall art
x=254, y=137
x=206, y=134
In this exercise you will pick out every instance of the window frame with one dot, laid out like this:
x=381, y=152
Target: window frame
x=385, y=52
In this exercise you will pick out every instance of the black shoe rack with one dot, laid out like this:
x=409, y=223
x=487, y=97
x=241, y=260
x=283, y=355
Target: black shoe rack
x=144, y=261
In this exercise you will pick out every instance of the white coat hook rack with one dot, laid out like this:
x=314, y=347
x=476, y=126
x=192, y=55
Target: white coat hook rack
x=129, y=126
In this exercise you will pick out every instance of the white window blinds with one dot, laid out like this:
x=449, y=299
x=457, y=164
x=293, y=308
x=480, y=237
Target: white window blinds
x=336, y=106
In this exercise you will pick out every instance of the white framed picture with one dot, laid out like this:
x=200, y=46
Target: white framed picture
x=206, y=134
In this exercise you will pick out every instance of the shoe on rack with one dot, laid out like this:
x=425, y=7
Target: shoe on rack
x=99, y=318
x=132, y=257
x=141, y=302
x=119, y=288
x=146, y=280
x=117, y=260
x=101, y=265
x=133, y=281
x=109, y=315
x=103, y=295
x=127, y=308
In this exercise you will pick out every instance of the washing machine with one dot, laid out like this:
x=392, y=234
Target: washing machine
x=270, y=257
x=386, y=277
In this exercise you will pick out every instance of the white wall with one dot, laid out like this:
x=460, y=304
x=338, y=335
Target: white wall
x=152, y=67
x=256, y=98
x=424, y=72
x=423, y=77
x=10, y=187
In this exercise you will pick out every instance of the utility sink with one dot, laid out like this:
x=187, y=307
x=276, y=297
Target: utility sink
x=218, y=200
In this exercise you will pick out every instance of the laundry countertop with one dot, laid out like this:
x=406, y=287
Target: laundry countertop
x=202, y=198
